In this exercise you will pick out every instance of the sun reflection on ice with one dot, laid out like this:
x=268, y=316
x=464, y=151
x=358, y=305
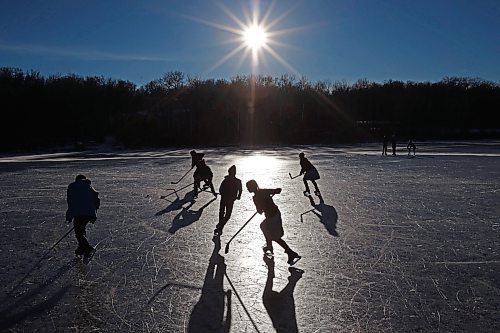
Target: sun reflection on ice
x=267, y=170
x=263, y=168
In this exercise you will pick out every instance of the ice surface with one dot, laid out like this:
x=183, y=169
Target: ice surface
x=398, y=244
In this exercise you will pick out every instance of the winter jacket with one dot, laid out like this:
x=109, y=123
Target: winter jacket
x=264, y=202
x=83, y=200
x=230, y=189
x=196, y=158
x=310, y=171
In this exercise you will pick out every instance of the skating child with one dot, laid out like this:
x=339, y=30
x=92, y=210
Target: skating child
x=411, y=146
x=83, y=202
x=230, y=189
x=272, y=226
x=203, y=173
x=385, y=142
x=310, y=173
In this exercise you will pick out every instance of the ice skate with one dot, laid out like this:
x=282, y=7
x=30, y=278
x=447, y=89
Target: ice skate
x=293, y=257
x=268, y=251
x=88, y=255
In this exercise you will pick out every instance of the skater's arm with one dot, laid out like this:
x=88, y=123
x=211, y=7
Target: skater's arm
x=240, y=190
x=271, y=191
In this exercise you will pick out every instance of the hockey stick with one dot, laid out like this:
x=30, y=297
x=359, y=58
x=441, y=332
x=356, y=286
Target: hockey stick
x=39, y=261
x=226, y=250
x=290, y=174
x=177, y=182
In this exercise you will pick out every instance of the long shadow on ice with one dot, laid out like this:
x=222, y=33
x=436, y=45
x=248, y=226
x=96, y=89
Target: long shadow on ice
x=10, y=316
x=326, y=213
x=178, y=203
x=187, y=216
x=281, y=305
x=208, y=313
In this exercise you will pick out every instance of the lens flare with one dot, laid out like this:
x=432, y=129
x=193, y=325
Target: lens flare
x=255, y=37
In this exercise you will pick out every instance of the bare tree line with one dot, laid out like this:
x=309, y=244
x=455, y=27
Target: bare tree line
x=177, y=109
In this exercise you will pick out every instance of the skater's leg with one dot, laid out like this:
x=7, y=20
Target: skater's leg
x=306, y=185
x=80, y=224
x=229, y=210
x=293, y=257
x=315, y=186
x=284, y=245
x=196, y=185
x=212, y=188
x=222, y=214
x=265, y=230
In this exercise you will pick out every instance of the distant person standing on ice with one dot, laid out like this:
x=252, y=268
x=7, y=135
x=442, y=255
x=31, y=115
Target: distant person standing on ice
x=393, y=141
x=272, y=226
x=203, y=173
x=310, y=173
x=83, y=202
x=230, y=189
x=385, y=142
x=411, y=146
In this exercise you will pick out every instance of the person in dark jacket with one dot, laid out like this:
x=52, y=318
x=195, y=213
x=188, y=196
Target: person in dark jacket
x=385, y=142
x=411, y=146
x=203, y=173
x=394, y=143
x=195, y=158
x=230, y=189
x=83, y=203
x=272, y=226
x=310, y=173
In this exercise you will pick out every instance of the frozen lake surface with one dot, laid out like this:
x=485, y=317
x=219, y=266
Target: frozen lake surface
x=398, y=244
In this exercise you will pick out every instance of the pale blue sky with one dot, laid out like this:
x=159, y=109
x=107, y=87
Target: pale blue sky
x=326, y=39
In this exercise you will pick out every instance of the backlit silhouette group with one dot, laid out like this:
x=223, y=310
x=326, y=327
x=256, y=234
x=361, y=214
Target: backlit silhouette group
x=385, y=141
x=83, y=202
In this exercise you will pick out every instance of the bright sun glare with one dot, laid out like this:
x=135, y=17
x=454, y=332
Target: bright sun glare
x=255, y=37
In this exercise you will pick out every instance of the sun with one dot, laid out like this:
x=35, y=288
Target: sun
x=255, y=37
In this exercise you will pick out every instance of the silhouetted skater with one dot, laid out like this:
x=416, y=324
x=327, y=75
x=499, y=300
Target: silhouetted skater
x=203, y=173
x=83, y=202
x=393, y=141
x=385, y=142
x=272, y=226
x=310, y=173
x=411, y=146
x=230, y=189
